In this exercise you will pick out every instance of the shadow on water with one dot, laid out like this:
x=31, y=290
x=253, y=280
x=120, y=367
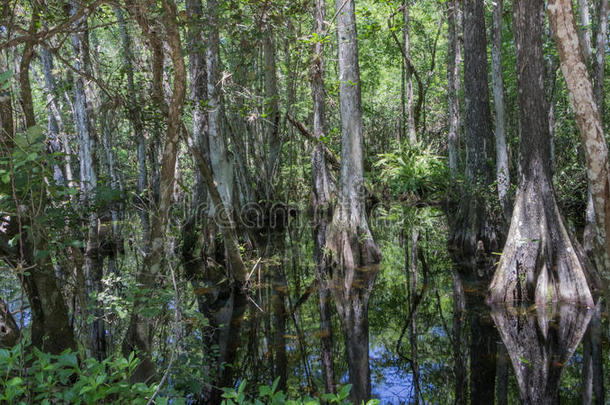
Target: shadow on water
x=540, y=341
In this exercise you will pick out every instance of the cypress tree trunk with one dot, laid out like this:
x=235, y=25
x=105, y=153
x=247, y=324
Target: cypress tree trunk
x=454, y=22
x=541, y=262
x=502, y=170
x=354, y=254
x=323, y=188
x=475, y=231
x=87, y=140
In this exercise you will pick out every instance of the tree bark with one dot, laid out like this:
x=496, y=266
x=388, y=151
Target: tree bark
x=588, y=119
x=475, y=233
x=502, y=169
x=323, y=188
x=9, y=331
x=221, y=165
x=454, y=56
x=541, y=262
x=137, y=125
x=87, y=140
x=352, y=251
x=600, y=55
x=411, y=130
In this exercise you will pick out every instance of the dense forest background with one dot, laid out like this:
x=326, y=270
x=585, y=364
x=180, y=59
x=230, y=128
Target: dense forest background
x=247, y=200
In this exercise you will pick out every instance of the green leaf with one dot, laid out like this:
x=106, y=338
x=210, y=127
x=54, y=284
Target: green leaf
x=15, y=382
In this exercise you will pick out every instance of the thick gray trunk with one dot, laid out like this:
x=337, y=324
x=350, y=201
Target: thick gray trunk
x=541, y=262
x=475, y=232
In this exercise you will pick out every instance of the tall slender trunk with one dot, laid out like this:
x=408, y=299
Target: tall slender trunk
x=139, y=335
x=87, y=140
x=352, y=250
x=453, y=82
x=323, y=188
x=412, y=131
x=584, y=32
x=600, y=54
x=502, y=170
x=271, y=108
x=136, y=123
x=221, y=165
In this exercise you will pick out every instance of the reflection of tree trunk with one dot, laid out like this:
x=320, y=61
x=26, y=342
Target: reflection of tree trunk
x=502, y=375
x=539, y=345
x=592, y=368
x=459, y=341
x=483, y=344
x=412, y=288
x=279, y=316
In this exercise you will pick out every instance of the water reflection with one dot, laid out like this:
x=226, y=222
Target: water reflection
x=540, y=341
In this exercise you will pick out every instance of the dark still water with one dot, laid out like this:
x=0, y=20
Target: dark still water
x=484, y=355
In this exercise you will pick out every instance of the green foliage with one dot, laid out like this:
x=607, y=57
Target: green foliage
x=271, y=396
x=414, y=170
x=63, y=379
